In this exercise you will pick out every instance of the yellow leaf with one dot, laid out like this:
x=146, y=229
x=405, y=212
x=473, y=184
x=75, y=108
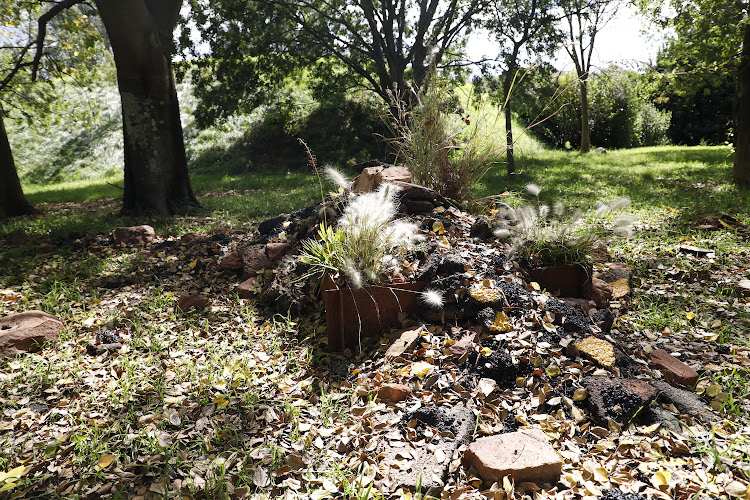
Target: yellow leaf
x=661, y=479
x=713, y=390
x=535, y=286
x=16, y=473
x=486, y=352
x=553, y=370
x=690, y=316
x=501, y=324
x=193, y=264
x=549, y=327
x=421, y=369
x=437, y=227
x=105, y=461
x=580, y=394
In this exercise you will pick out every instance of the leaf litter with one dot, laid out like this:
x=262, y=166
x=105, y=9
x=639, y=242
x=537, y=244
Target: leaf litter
x=237, y=402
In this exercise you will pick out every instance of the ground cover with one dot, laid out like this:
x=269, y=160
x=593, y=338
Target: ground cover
x=240, y=399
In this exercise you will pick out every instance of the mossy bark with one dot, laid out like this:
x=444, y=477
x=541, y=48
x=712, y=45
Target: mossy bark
x=156, y=174
x=741, y=175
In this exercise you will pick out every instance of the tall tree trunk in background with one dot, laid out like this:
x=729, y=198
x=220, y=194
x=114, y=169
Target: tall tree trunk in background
x=585, y=130
x=12, y=200
x=156, y=174
x=509, y=154
x=741, y=175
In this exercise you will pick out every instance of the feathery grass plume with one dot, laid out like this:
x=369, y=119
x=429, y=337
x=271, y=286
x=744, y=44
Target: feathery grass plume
x=559, y=208
x=336, y=177
x=533, y=189
x=543, y=211
x=361, y=247
x=432, y=298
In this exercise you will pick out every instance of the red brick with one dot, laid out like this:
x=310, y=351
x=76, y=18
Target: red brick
x=675, y=371
x=394, y=392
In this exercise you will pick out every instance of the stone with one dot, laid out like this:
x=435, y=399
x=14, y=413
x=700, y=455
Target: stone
x=685, y=401
x=133, y=235
x=275, y=251
x=462, y=346
x=616, y=271
x=405, y=342
x=601, y=292
x=616, y=398
x=481, y=229
x=366, y=181
x=525, y=455
x=674, y=371
x=452, y=263
x=254, y=259
x=599, y=350
x=197, y=302
x=393, y=174
x=46, y=247
x=26, y=331
x=393, y=393
x=231, y=262
x=429, y=465
x=600, y=252
x=248, y=288
x=191, y=237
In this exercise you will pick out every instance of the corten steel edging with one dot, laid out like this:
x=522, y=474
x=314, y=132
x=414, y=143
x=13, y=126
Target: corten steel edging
x=353, y=314
x=570, y=281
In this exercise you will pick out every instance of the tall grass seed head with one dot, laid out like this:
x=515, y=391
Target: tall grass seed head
x=336, y=177
x=533, y=189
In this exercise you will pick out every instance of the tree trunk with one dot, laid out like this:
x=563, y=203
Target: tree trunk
x=509, y=154
x=585, y=132
x=156, y=174
x=741, y=174
x=12, y=200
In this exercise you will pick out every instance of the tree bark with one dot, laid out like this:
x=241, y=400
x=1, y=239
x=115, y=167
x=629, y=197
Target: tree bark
x=12, y=200
x=741, y=174
x=509, y=154
x=156, y=174
x=585, y=130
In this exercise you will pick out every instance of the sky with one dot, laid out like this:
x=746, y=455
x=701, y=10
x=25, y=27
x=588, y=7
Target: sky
x=621, y=42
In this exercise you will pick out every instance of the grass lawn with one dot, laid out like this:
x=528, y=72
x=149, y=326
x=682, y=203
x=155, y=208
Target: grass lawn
x=241, y=400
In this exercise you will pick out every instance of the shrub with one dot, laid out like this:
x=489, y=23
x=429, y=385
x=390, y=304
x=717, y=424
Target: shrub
x=620, y=113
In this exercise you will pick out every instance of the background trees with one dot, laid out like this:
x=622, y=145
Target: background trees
x=522, y=28
x=37, y=48
x=714, y=36
x=582, y=22
x=374, y=44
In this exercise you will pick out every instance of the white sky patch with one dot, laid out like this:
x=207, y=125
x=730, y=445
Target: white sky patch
x=622, y=42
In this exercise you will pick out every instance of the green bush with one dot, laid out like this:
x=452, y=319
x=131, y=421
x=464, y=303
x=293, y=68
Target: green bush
x=620, y=113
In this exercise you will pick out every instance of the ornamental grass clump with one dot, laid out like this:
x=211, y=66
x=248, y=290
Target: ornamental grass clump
x=445, y=150
x=365, y=245
x=555, y=236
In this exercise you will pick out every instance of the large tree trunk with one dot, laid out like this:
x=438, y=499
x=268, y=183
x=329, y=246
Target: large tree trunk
x=12, y=200
x=156, y=175
x=510, y=155
x=585, y=131
x=741, y=175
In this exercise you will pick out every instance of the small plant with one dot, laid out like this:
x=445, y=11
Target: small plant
x=544, y=236
x=362, y=248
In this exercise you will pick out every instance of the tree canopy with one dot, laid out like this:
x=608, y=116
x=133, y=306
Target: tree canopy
x=374, y=44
